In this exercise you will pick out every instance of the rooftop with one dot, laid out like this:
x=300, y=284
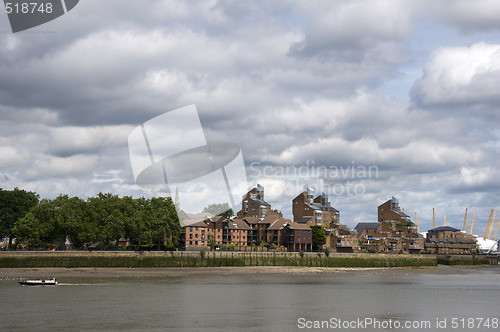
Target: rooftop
x=360, y=227
x=444, y=228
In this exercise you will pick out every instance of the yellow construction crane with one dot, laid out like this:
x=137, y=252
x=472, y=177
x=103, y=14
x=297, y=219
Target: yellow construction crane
x=416, y=220
x=445, y=219
x=488, y=226
x=433, y=218
x=492, y=223
x=496, y=229
x=465, y=220
x=472, y=222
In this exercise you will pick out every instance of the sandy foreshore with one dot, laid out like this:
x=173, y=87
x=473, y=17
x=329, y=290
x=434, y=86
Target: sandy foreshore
x=21, y=273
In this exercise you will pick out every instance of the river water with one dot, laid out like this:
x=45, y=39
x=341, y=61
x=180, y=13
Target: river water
x=444, y=298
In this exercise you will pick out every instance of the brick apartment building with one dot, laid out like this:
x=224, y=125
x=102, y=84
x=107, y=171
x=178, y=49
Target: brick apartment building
x=311, y=211
x=393, y=233
x=449, y=240
x=256, y=223
x=215, y=231
x=296, y=237
x=268, y=225
x=253, y=204
x=195, y=236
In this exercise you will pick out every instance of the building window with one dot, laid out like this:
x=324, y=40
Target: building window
x=195, y=243
x=191, y=229
x=190, y=242
x=190, y=236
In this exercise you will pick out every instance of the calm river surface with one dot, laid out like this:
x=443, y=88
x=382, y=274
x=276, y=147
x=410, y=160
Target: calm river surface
x=257, y=302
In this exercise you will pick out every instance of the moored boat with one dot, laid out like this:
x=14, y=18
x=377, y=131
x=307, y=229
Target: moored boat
x=38, y=282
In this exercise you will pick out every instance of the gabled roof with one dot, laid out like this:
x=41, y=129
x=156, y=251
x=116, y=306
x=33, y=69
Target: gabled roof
x=238, y=224
x=401, y=213
x=319, y=206
x=217, y=218
x=297, y=226
x=259, y=201
x=304, y=219
x=443, y=229
x=270, y=218
x=251, y=220
x=278, y=224
x=360, y=227
x=198, y=224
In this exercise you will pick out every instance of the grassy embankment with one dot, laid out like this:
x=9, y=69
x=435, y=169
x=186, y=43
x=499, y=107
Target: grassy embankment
x=226, y=259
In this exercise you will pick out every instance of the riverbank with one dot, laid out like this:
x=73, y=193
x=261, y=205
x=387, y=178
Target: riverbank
x=110, y=273
x=71, y=259
x=160, y=259
x=48, y=272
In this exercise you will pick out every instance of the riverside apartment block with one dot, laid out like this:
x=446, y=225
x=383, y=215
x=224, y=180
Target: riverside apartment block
x=257, y=223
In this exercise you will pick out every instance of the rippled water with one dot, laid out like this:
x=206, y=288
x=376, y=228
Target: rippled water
x=267, y=302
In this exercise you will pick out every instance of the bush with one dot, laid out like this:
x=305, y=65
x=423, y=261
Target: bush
x=301, y=254
x=327, y=252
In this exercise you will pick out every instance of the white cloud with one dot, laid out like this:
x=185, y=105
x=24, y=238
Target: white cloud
x=11, y=157
x=53, y=167
x=344, y=26
x=288, y=81
x=70, y=140
x=457, y=76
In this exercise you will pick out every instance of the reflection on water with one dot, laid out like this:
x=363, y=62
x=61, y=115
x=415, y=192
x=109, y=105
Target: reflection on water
x=249, y=303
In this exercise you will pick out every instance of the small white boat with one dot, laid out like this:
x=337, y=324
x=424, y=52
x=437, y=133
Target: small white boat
x=38, y=282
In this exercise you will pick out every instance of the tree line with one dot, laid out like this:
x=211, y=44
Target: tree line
x=99, y=221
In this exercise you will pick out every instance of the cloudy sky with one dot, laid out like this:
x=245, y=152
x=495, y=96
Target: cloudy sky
x=314, y=92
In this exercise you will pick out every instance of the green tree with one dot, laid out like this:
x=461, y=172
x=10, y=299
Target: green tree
x=110, y=214
x=165, y=224
x=216, y=209
x=14, y=204
x=60, y=219
x=31, y=232
x=318, y=237
x=153, y=221
x=72, y=221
